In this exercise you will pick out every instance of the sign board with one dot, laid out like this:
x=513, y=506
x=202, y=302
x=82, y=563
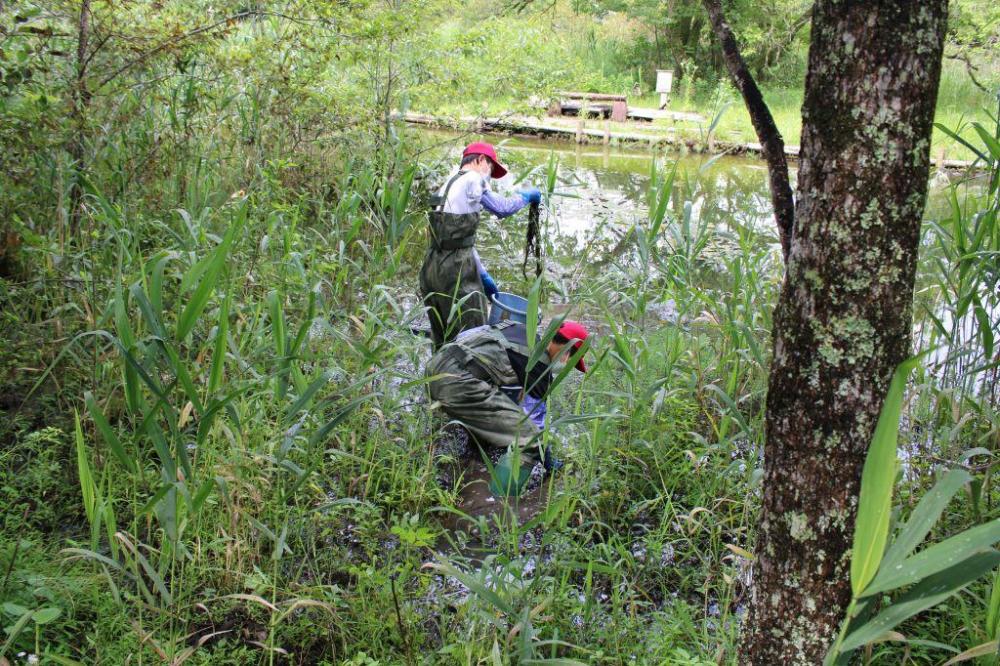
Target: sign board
x=664, y=80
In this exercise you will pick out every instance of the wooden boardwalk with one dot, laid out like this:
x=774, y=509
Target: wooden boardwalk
x=601, y=132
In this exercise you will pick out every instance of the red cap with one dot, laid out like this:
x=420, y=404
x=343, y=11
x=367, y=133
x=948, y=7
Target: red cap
x=480, y=148
x=573, y=330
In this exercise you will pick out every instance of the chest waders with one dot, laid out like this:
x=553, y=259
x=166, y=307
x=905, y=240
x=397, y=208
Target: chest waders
x=472, y=379
x=449, y=279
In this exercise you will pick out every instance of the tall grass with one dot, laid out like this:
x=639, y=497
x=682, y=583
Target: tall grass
x=250, y=470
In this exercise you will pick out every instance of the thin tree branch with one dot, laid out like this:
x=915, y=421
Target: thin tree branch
x=171, y=42
x=763, y=123
x=969, y=68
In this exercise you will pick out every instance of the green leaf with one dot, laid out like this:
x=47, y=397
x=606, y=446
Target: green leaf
x=110, y=438
x=148, y=313
x=14, y=610
x=988, y=139
x=540, y=345
x=962, y=141
x=936, y=558
x=15, y=631
x=219, y=351
x=46, y=615
x=993, y=610
x=923, y=518
x=344, y=412
x=930, y=592
x=985, y=330
x=871, y=529
x=532, y=321
x=307, y=395
x=199, y=299
x=87, y=487
x=473, y=584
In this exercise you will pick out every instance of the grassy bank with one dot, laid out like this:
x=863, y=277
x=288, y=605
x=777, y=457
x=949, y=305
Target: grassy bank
x=960, y=103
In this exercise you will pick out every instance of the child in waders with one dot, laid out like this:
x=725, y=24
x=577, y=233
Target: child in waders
x=480, y=378
x=453, y=283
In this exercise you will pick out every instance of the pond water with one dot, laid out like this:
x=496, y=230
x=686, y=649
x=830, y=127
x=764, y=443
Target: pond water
x=602, y=191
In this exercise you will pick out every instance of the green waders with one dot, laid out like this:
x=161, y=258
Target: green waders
x=475, y=368
x=449, y=279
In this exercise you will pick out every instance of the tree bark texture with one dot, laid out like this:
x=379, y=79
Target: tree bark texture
x=844, y=316
x=763, y=123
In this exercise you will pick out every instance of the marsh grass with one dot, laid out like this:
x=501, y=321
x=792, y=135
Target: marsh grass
x=252, y=442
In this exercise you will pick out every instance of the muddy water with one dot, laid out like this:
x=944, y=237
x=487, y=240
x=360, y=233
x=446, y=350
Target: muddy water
x=480, y=513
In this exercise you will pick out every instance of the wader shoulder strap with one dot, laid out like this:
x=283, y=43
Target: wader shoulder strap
x=514, y=337
x=440, y=200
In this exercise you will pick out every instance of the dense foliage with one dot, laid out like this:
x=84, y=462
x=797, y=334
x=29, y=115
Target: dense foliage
x=215, y=445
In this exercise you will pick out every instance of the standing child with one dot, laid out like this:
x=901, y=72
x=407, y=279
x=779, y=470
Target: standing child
x=453, y=283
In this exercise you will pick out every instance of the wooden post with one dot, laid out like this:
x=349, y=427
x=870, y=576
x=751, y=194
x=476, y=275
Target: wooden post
x=619, y=112
x=579, y=131
x=607, y=132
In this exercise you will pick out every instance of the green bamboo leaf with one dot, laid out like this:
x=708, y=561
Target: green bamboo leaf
x=481, y=590
x=962, y=141
x=307, y=321
x=184, y=378
x=658, y=214
x=202, y=495
x=985, y=330
x=540, y=346
x=993, y=610
x=110, y=438
x=199, y=299
x=147, y=311
x=15, y=631
x=87, y=487
x=274, y=304
x=871, y=530
x=127, y=341
x=344, y=412
x=936, y=558
x=988, y=139
x=570, y=365
x=929, y=592
x=922, y=518
x=219, y=351
x=156, y=280
x=308, y=394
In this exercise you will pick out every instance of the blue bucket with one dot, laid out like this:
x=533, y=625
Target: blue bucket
x=508, y=306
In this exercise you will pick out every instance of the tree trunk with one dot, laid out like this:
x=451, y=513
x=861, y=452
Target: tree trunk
x=80, y=101
x=844, y=316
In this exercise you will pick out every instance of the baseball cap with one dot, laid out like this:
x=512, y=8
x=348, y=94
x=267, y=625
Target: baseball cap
x=481, y=148
x=573, y=330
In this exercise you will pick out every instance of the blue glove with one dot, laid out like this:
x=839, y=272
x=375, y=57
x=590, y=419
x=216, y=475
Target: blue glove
x=531, y=195
x=489, y=286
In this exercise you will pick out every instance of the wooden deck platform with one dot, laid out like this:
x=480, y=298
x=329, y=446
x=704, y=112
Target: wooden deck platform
x=600, y=132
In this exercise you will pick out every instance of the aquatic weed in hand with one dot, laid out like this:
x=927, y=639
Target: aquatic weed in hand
x=532, y=245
